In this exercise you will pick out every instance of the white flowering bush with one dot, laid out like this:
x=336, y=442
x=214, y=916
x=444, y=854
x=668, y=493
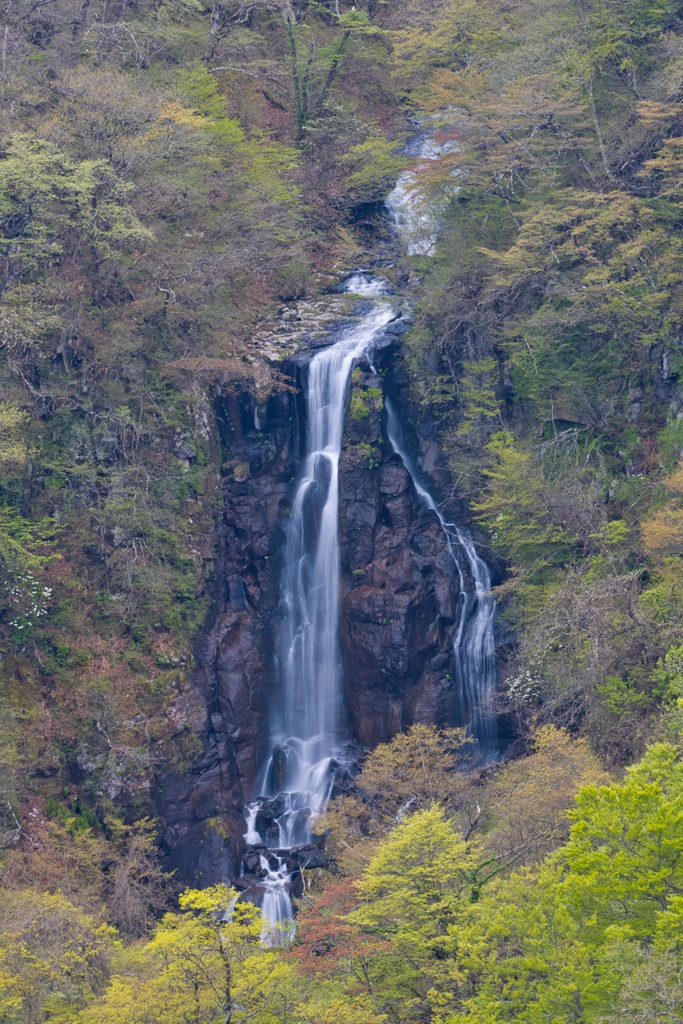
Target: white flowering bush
x=524, y=689
x=29, y=600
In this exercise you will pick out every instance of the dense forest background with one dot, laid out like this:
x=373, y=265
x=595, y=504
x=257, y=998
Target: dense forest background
x=174, y=173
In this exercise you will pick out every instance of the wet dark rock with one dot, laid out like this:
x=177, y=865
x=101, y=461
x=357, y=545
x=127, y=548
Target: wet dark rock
x=252, y=862
x=398, y=594
x=313, y=858
x=253, y=894
x=280, y=766
x=246, y=881
x=264, y=819
x=183, y=450
x=317, y=843
x=274, y=807
x=206, y=853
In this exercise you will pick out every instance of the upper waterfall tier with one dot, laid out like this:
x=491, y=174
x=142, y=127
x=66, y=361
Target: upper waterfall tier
x=414, y=214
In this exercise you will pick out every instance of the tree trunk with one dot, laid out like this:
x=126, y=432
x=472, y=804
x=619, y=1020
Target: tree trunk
x=5, y=35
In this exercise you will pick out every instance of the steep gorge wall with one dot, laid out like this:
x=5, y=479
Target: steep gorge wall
x=399, y=589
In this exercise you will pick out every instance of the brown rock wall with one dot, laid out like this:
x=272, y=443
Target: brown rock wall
x=399, y=588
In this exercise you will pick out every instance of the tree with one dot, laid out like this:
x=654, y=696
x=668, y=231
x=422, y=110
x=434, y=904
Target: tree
x=554, y=944
x=136, y=888
x=202, y=965
x=340, y=964
x=54, y=959
x=625, y=850
x=415, y=770
x=525, y=805
x=49, y=205
x=515, y=510
x=10, y=829
x=652, y=990
x=412, y=893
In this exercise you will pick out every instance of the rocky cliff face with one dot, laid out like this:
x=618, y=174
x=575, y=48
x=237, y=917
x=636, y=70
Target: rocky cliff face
x=235, y=657
x=399, y=589
x=399, y=583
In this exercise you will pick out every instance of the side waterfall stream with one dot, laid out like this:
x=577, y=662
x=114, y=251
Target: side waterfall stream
x=308, y=743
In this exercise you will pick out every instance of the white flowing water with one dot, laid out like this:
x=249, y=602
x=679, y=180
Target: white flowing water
x=306, y=751
x=415, y=214
x=473, y=638
x=277, y=918
x=301, y=771
x=251, y=836
x=309, y=653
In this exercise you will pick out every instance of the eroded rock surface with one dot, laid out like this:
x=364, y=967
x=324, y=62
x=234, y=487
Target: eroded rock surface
x=399, y=584
x=399, y=589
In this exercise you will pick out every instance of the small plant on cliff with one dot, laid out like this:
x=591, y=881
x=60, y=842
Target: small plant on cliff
x=362, y=451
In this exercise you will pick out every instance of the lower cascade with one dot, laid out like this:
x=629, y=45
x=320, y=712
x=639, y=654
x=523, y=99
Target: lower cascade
x=473, y=640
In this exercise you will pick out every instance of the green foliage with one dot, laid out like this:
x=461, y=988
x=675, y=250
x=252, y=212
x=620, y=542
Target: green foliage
x=197, y=966
x=168, y=174
x=622, y=696
x=376, y=165
x=47, y=201
x=550, y=316
x=364, y=454
x=514, y=508
x=479, y=403
x=54, y=958
x=362, y=401
x=10, y=762
x=548, y=944
x=74, y=817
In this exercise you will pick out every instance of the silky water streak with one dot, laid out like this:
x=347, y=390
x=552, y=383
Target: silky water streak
x=473, y=638
x=309, y=657
x=300, y=775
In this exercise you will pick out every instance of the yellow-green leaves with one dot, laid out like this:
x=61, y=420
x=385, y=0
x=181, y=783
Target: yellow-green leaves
x=479, y=402
x=375, y=164
x=205, y=964
x=417, y=881
x=14, y=450
x=46, y=199
x=53, y=958
x=552, y=945
x=626, y=843
x=514, y=508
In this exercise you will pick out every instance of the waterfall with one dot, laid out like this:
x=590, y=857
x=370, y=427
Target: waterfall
x=473, y=639
x=307, y=750
x=251, y=836
x=415, y=217
x=306, y=739
x=309, y=659
x=276, y=908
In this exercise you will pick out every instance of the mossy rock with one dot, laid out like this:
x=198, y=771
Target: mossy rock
x=240, y=472
x=19, y=682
